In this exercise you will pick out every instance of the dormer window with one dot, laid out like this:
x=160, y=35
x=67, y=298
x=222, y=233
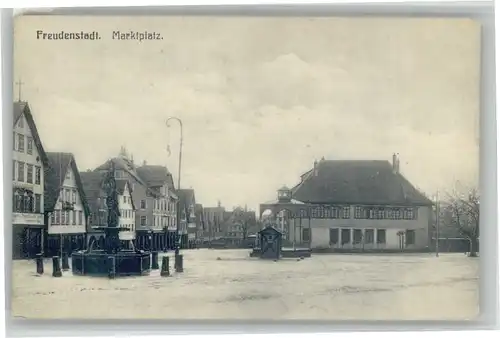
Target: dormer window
x=284, y=194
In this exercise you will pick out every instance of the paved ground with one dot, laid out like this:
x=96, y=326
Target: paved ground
x=227, y=284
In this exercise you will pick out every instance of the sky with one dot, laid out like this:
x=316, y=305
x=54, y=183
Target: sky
x=260, y=98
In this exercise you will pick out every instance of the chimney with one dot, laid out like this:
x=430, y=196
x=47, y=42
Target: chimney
x=395, y=163
x=315, y=168
x=218, y=204
x=144, y=162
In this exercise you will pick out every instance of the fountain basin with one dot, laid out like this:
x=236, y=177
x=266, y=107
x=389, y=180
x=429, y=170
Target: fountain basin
x=97, y=263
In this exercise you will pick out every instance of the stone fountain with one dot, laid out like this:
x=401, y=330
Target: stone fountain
x=112, y=261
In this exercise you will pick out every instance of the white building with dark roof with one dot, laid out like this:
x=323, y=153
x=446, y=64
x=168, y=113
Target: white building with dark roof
x=362, y=205
x=66, y=207
x=28, y=177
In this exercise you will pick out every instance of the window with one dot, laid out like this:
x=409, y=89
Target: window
x=306, y=235
x=357, y=236
x=143, y=204
x=53, y=218
x=144, y=221
x=397, y=213
x=28, y=203
x=346, y=212
x=73, y=217
x=380, y=213
x=63, y=217
x=20, y=171
x=68, y=174
x=67, y=218
x=334, y=236
x=369, y=236
x=20, y=124
x=67, y=196
x=124, y=199
x=38, y=174
x=38, y=203
x=18, y=202
x=13, y=170
x=14, y=142
x=409, y=213
x=345, y=236
x=29, y=146
x=74, y=196
x=80, y=217
x=357, y=212
x=410, y=237
x=29, y=177
x=20, y=143
x=381, y=236
x=58, y=216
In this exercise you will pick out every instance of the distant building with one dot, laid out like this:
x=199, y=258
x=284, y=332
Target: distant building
x=144, y=198
x=214, y=218
x=66, y=208
x=96, y=199
x=200, y=222
x=354, y=205
x=127, y=211
x=164, y=211
x=28, y=177
x=187, y=228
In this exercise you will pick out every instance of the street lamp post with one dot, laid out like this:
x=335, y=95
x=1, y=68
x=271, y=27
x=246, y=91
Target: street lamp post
x=177, y=244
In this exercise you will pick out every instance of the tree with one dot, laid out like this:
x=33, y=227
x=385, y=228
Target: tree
x=246, y=219
x=464, y=216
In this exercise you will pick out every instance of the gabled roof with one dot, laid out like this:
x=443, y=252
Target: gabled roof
x=21, y=108
x=155, y=175
x=357, y=182
x=270, y=228
x=92, y=185
x=122, y=164
x=59, y=164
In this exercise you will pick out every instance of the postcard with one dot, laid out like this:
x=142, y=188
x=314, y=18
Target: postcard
x=245, y=167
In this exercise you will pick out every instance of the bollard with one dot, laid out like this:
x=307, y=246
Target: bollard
x=56, y=267
x=39, y=264
x=154, y=260
x=65, y=262
x=165, y=267
x=179, y=266
x=111, y=267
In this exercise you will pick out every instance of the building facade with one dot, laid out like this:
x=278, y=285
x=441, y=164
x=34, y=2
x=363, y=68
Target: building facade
x=143, y=197
x=96, y=199
x=127, y=211
x=163, y=218
x=214, y=219
x=66, y=208
x=200, y=223
x=94, y=194
x=362, y=205
x=187, y=217
x=28, y=177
